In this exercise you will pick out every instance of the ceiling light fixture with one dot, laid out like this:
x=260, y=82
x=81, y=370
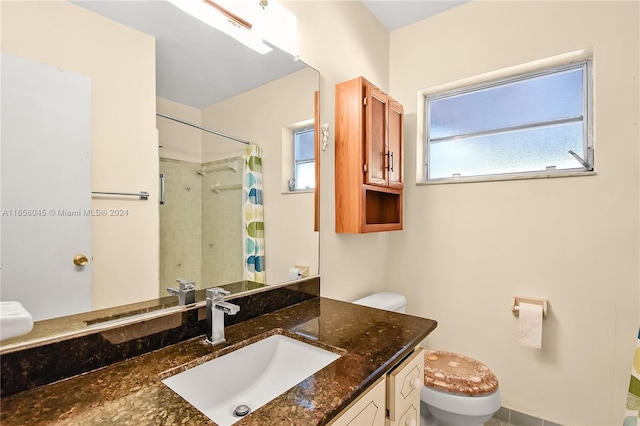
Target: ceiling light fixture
x=213, y=16
x=235, y=19
x=251, y=22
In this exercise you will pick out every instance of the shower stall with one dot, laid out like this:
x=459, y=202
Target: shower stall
x=201, y=222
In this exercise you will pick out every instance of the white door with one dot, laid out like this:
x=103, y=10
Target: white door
x=45, y=200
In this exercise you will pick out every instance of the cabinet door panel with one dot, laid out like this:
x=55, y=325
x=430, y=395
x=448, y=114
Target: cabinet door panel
x=367, y=410
x=395, y=144
x=411, y=417
x=375, y=137
x=404, y=384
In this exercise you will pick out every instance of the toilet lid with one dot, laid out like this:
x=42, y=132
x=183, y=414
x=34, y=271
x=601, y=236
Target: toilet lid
x=452, y=372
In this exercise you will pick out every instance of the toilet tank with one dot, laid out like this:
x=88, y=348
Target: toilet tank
x=384, y=300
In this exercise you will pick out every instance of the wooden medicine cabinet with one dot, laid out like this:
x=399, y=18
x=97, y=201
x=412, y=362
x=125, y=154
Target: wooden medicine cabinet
x=369, y=159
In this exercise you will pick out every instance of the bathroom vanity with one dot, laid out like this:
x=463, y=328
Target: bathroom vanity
x=374, y=347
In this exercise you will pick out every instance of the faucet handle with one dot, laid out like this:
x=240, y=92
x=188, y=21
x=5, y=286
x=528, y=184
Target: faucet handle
x=216, y=292
x=186, y=285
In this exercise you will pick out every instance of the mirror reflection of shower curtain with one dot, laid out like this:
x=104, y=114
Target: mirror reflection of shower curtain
x=253, y=216
x=632, y=412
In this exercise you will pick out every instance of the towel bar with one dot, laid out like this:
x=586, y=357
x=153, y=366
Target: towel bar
x=142, y=194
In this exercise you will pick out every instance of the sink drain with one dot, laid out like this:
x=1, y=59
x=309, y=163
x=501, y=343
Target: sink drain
x=241, y=410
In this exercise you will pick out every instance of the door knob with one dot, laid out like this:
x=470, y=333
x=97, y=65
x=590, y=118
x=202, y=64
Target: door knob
x=80, y=260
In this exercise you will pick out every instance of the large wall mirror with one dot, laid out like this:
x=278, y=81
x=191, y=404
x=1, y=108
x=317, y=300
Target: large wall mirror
x=129, y=61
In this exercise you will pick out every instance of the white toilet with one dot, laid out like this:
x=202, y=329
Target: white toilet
x=384, y=300
x=459, y=391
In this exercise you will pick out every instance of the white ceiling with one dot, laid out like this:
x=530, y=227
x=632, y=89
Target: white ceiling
x=395, y=14
x=198, y=66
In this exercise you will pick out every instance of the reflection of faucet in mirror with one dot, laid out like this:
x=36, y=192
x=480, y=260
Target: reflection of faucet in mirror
x=216, y=308
x=186, y=292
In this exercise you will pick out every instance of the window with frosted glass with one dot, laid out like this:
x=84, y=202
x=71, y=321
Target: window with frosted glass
x=527, y=124
x=304, y=158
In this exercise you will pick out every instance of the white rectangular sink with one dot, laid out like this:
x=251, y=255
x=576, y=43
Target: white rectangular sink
x=250, y=376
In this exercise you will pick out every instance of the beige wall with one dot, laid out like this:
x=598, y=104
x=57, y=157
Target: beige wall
x=179, y=141
x=121, y=65
x=467, y=248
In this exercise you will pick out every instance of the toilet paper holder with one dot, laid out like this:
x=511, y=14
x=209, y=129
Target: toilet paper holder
x=515, y=305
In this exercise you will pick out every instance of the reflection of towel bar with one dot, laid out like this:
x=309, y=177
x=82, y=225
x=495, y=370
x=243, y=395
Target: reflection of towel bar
x=216, y=187
x=142, y=194
x=220, y=167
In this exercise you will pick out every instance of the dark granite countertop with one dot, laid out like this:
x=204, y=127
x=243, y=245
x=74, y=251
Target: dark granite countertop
x=131, y=392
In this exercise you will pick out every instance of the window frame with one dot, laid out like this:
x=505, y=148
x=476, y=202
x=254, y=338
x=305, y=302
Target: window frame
x=508, y=76
x=294, y=132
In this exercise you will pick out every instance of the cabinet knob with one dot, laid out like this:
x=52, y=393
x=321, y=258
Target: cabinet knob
x=410, y=422
x=417, y=383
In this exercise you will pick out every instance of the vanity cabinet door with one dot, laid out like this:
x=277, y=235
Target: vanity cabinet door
x=403, y=387
x=410, y=417
x=367, y=410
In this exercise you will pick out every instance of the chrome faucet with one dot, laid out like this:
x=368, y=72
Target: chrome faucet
x=186, y=292
x=216, y=308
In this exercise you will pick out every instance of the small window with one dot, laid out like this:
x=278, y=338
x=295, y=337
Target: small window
x=304, y=166
x=536, y=123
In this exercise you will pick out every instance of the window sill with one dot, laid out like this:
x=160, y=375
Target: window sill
x=476, y=179
x=299, y=191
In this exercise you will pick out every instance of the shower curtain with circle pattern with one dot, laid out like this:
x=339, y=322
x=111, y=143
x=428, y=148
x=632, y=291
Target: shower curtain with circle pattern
x=632, y=414
x=253, y=216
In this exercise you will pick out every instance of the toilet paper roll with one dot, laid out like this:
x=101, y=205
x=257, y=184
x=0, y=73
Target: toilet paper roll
x=295, y=273
x=530, y=325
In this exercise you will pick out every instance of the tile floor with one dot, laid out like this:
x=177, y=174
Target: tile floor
x=507, y=417
x=504, y=417
x=492, y=422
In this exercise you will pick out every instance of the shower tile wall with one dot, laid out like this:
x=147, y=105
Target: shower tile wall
x=222, y=223
x=180, y=224
x=200, y=229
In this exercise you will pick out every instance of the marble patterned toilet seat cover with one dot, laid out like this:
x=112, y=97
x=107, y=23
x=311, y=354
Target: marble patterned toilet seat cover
x=453, y=372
